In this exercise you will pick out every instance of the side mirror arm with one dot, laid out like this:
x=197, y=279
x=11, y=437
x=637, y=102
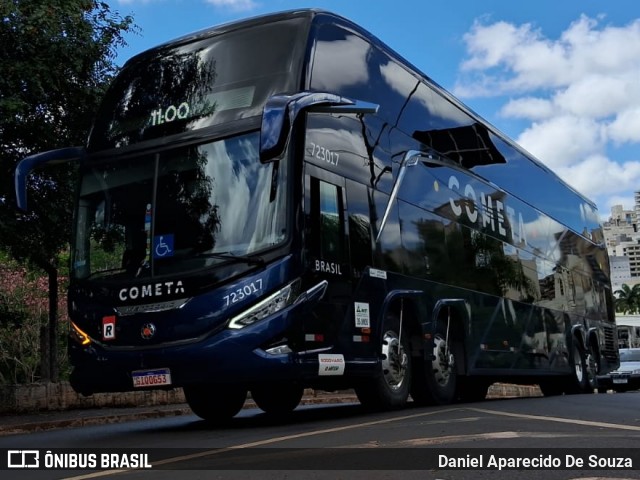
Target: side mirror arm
x=27, y=165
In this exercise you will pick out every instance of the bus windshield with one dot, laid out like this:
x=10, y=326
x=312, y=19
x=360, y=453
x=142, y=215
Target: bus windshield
x=205, y=82
x=178, y=210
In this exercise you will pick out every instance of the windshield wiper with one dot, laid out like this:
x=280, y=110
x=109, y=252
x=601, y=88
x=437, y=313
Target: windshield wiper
x=250, y=260
x=105, y=273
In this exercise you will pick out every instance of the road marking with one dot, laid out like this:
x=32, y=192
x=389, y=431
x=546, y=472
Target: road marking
x=420, y=442
x=267, y=441
x=588, y=423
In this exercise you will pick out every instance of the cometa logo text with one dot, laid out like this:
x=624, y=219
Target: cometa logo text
x=152, y=290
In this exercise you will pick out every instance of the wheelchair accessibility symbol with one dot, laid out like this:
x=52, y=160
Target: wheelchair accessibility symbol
x=163, y=246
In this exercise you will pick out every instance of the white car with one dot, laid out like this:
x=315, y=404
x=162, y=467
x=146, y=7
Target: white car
x=627, y=376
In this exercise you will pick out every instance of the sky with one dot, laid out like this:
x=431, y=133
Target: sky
x=560, y=77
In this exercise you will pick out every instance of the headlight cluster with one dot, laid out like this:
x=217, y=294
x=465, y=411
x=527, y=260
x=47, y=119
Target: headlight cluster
x=268, y=306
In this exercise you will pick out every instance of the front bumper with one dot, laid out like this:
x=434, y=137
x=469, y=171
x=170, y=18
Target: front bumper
x=619, y=382
x=230, y=356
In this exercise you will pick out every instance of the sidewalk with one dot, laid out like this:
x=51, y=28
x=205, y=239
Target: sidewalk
x=11, y=424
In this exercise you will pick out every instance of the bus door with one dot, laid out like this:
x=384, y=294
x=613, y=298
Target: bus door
x=326, y=254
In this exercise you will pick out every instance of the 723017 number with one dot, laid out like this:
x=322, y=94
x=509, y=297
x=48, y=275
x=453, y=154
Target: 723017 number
x=239, y=294
x=324, y=154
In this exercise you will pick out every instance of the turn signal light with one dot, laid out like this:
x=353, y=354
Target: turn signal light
x=78, y=335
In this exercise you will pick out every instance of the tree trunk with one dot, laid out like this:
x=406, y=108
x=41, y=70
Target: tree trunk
x=49, y=351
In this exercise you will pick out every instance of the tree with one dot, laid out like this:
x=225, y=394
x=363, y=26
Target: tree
x=56, y=60
x=628, y=299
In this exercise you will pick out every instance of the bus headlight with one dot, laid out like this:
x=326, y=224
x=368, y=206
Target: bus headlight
x=268, y=306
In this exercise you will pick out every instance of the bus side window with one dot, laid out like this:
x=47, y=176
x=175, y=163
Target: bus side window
x=327, y=221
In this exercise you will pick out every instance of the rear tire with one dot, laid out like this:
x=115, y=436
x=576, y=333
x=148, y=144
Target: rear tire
x=277, y=399
x=580, y=382
x=593, y=366
x=441, y=367
x=214, y=403
x=389, y=389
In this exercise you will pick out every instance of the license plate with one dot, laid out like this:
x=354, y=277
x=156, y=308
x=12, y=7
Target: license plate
x=151, y=378
x=620, y=380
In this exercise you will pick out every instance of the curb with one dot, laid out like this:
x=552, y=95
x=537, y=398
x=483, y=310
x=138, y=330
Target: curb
x=92, y=420
x=91, y=417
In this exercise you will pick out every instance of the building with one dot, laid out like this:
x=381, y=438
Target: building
x=622, y=238
x=620, y=271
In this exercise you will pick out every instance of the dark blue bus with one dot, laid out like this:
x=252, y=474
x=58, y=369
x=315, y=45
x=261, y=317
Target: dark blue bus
x=285, y=203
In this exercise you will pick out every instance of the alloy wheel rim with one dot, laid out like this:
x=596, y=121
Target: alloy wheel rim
x=394, y=360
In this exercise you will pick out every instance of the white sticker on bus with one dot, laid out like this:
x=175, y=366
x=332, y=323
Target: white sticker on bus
x=375, y=273
x=362, y=315
x=330, y=364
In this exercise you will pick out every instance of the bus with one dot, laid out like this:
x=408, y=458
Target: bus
x=284, y=203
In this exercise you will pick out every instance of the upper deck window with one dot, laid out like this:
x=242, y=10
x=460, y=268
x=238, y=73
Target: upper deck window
x=206, y=82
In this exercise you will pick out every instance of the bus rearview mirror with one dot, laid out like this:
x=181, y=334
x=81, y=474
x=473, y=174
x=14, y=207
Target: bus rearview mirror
x=280, y=113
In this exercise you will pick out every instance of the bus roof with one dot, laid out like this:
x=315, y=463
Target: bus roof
x=317, y=16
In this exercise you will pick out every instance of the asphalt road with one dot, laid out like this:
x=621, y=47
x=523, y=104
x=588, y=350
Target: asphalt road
x=343, y=441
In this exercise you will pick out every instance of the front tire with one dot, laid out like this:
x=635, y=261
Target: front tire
x=213, y=403
x=390, y=388
x=277, y=399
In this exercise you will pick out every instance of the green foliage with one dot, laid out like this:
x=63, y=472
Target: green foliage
x=23, y=320
x=628, y=299
x=56, y=59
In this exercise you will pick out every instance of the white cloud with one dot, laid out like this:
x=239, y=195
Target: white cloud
x=562, y=141
x=600, y=176
x=626, y=126
x=580, y=93
x=600, y=95
x=522, y=59
x=528, y=107
x=237, y=5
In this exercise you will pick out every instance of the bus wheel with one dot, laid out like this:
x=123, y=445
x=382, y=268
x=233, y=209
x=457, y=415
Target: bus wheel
x=214, y=404
x=390, y=387
x=277, y=399
x=441, y=371
x=593, y=368
x=579, y=372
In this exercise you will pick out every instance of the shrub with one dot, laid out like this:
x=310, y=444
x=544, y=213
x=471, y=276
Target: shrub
x=24, y=301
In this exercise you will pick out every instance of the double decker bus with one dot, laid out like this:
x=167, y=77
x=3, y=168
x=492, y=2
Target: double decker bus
x=284, y=202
